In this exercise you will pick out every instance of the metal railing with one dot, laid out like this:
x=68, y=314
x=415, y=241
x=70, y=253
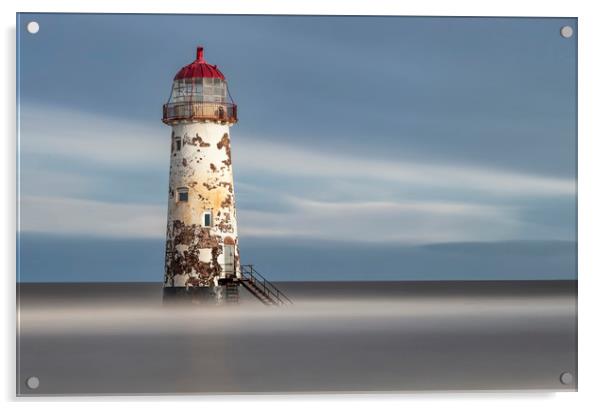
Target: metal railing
x=190, y=110
x=250, y=274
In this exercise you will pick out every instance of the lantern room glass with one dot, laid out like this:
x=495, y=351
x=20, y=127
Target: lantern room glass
x=213, y=90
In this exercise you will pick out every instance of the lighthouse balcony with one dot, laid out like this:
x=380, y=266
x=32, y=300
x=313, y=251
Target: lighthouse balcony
x=199, y=111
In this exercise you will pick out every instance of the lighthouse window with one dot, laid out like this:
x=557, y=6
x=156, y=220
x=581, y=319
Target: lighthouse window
x=207, y=220
x=182, y=90
x=178, y=144
x=198, y=91
x=214, y=90
x=182, y=194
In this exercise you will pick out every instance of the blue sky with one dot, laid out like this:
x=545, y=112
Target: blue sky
x=366, y=139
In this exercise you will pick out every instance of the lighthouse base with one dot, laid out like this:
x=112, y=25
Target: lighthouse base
x=221, y=294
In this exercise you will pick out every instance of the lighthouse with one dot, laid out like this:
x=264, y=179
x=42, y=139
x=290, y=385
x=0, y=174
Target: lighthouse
x=201, y=249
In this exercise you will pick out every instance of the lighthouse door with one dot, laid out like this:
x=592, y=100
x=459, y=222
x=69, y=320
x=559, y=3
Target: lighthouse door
x=229, y=260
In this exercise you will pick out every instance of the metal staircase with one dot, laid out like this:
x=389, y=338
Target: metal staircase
x=232, y=292
x=262, y=288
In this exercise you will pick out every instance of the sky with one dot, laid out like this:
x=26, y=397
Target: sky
x=367, y=148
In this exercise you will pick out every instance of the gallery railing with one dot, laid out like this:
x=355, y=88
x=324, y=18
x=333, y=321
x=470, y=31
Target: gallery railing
x=202, y=111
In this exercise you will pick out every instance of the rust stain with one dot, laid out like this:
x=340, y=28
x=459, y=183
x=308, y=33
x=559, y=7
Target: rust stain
x=209, y=187
x=225, y=143
x=198, y=141
x=223, y=227
x=182, y=254
x=215, y=252
x=227, y=185
x=227, y=202
x=214, y=195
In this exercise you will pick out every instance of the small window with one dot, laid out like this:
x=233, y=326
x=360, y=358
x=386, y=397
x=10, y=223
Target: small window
x=182, y=194
x=178, y=143
x=207, y=219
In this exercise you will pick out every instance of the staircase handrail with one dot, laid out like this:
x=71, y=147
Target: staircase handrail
x=268, y=287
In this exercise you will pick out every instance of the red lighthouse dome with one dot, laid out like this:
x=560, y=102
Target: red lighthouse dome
x=200, y=93
x=199, y=68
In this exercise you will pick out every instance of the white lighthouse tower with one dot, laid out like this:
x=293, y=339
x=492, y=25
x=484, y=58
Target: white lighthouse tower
x=201, y=252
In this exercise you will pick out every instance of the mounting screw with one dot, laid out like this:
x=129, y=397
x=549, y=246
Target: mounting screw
x=566, y=31
x=33, y=27
x=33, y=382
x=566, y=378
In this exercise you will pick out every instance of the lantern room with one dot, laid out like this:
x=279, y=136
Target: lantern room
x=200, y=93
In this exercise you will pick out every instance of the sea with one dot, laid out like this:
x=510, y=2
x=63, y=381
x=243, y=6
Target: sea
x=336, y=337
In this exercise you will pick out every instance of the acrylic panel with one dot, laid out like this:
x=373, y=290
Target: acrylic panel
x=257, y=204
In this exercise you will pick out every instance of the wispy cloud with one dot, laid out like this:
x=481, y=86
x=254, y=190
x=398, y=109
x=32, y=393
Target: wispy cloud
x=121, y=143
x=402, y=222
x=109, y=143
x=99, y=140
x=255, y=154
x=91, y=218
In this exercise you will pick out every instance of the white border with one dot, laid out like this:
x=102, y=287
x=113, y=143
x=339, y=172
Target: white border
x=590, y=206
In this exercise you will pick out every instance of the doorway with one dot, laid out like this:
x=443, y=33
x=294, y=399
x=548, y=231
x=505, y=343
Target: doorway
x=229, y=260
